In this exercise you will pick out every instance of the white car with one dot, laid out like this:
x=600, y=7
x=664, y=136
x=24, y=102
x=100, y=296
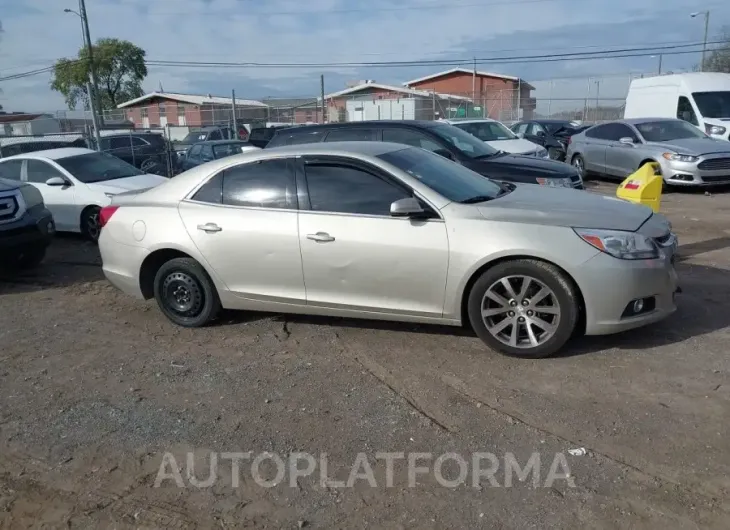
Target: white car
x=76, y=183
x=497, y=135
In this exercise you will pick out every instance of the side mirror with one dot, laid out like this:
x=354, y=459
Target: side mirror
x=540, y=133
x=626, y=140
x=57, y=181
x=408, y=207
x=445, y=153
x=520, y=135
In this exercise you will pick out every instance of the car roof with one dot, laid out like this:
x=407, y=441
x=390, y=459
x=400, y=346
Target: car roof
x=54, y=154
x=639, y=121
x=415, y=124
x=469, y=120
x=340, y=148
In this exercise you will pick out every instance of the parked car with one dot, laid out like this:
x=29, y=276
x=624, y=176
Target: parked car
x=443, y=139
x=144, y=150
x=386, y=231
x=686, y=155
x=699, y=98
x=10, y=146
x=75, y=183
x=261, y=136
x=26, y=226
x=500, y=137
x=208, y=134
x=203, y=152
x=553, y=135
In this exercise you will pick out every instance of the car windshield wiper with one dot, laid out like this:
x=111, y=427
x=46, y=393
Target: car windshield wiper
x=476, y=199
x=481, y=157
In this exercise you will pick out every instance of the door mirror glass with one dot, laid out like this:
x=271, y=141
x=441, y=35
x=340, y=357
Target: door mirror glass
x=627, y=140
x=407, y=207
x=57, y=181
x=445, y=153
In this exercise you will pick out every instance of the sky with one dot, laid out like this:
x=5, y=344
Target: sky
x=37, y=32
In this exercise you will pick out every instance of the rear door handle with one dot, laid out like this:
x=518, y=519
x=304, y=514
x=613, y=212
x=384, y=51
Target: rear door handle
x=209, y=228
x=321, y=237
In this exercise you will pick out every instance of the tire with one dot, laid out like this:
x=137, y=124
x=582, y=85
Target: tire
x=185, y=293
x=90, y=227
x=562, y=303
x=580, y=165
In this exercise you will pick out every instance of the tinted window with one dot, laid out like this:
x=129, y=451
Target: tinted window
x=624, y=131
x=215, y=135
x=206, y=152
x=11, y=169
x=340, y=188
x=120, y=142
x=411, y=137
x=97, y=167
x=713, y=104
x=194, y=137
x=351, y=135
x=267, y=184
x=211, y=191
x=597, y=132
x=39, y=172
x=224, y=150
x=260, y=134
x=520, y=128
x=554, y=127
x=668, y=130
x=195, y=150
x=453, y=181
x=296, y=139
x=686, y=112
x=137, y=142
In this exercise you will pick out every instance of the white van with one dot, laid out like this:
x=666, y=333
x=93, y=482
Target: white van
x=701, y=98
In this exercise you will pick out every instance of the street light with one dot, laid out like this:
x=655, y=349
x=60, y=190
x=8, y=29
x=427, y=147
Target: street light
x=704, y=43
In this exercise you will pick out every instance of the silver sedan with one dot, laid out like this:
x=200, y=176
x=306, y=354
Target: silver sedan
x=385, y=231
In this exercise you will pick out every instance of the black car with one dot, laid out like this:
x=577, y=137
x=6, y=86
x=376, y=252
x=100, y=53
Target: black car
x=26, y=226
x=209, y=134
x=553, y=135
x=444, y=139
x=261, y=136
x=146, y=151
x=203, y=152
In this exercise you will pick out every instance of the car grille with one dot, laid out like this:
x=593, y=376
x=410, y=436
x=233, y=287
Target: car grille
x=717, y=178
x=9, y=208
x=714, y=164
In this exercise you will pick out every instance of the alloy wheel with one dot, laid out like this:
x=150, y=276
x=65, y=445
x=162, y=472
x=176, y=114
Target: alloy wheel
x=578, y=164
x=93, y=228
x=520, y=311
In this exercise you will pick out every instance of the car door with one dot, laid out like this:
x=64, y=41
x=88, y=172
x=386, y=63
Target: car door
x=206, y=153
x=355, y=255
x=621, y=159
x=192, y=158
x=243, y=221
x=60, y=200
x=594, y=149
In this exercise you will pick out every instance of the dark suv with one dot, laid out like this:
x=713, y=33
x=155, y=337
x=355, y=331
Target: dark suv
x=261, y=136
x=445, y=140
x=144, y=150
x=26, y=226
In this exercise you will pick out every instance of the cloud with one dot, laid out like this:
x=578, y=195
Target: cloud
x=290, y=31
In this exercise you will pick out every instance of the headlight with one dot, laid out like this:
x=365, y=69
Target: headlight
x=714, y=129
x=619, y=244
x=31, y=196
x=555, y=183
x=680, y=158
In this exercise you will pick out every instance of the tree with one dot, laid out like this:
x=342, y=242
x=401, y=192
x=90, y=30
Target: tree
x=120, y=69
x=719, y=59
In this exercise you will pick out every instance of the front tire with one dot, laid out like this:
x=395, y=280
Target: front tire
x=185, y=293
x=524, y=308
x=580, y=165
x=90, y=227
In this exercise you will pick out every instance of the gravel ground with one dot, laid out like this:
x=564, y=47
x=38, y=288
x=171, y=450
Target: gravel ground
x=95, y=388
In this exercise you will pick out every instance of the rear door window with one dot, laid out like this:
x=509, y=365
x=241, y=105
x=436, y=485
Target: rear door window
x=11, y=169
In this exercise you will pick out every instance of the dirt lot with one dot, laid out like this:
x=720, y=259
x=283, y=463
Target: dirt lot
x=95, y=388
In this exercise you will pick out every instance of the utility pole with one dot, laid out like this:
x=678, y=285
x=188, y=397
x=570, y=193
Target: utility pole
x=598, y=88
x=94, y=121
x=474, y=83
x=321, y=90
x=433, y=104
x=233, y=109
x=95, y=102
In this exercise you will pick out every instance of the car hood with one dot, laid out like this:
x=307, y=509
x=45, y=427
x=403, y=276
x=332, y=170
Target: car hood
x=694, y=146
x=518, y=145
x=139, y=182
x=519, y=168
x=543, y=205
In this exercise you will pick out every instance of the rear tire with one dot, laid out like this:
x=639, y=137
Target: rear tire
x=185, y=293
x=534, y=320
x=580, y=165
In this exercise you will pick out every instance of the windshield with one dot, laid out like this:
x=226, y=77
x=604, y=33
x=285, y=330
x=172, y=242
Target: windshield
x=97, y=167
x=554, y=127
x=713, y=104
x=464, y=142
x=487, y=131
x=451, y=180
x=224, y=150
x=194, y=137
x=668, y=130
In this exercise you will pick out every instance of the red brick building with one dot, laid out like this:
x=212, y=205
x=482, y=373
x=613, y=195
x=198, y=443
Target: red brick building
x=502, y=97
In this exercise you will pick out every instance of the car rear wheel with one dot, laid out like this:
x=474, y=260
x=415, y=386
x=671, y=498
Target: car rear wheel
x=524, y=308
x=90, y=227
x=185, y=293
x=580, y=165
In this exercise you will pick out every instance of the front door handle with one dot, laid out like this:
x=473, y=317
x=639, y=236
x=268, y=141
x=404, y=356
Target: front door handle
x=321, y=237
x=209, y=228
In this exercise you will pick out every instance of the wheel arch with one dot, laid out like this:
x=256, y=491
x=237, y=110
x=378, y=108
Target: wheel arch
x=481, y=269
x=155, y=259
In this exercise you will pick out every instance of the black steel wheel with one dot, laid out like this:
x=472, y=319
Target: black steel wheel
x=185, y=293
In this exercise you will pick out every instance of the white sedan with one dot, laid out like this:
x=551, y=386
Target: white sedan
x=497, y=135
x=76, y=183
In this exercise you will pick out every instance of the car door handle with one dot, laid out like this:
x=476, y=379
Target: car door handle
x=321, y=237
x=209, y=228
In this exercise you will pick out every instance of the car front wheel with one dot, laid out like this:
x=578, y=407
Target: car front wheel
x=579, y=164
x=90, y=227
x=185, y=293
x=524, y=308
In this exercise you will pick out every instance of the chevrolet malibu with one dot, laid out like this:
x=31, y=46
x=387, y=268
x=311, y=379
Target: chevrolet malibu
x=386, y=231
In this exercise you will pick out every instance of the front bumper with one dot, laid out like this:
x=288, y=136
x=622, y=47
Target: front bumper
x=689, y=174
x=35, y=229
x=610, y=285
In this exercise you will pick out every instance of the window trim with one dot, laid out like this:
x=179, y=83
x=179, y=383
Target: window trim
x=290, y=160
x=302, y=184
x=27, y=162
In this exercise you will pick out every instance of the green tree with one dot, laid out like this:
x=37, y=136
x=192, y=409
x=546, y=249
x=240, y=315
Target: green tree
x=718, y=60
x=120, y=69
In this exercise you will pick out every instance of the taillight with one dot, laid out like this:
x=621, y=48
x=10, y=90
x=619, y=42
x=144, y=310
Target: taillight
x=105, y=214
